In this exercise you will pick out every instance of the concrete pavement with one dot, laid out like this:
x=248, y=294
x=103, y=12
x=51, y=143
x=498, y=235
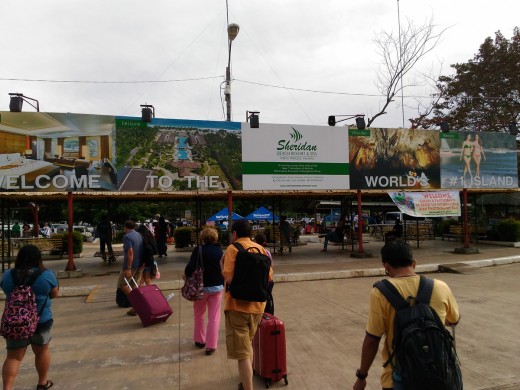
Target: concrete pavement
x=323, y=300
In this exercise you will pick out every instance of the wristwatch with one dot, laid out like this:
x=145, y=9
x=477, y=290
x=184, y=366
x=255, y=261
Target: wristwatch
x=361, y=375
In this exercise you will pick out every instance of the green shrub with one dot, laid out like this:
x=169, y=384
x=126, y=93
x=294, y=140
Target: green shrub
x=508, y=230
x=182, y=236
x=77, y=242
x=443, y=227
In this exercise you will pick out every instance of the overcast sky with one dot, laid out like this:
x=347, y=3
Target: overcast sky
x=325, y=46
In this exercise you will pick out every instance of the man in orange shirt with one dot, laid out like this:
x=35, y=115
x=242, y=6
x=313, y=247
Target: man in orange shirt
x=242, y=317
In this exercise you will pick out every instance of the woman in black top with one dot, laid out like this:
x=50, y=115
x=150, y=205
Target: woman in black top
x=213, y=287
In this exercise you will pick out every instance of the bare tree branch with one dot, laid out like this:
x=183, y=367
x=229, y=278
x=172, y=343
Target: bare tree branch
x=399, y=57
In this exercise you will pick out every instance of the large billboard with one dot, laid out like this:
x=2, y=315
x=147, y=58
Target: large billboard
x=295, y=157
x=49, y=152
x=394, y=159
x=178, y=155
x=478, y=160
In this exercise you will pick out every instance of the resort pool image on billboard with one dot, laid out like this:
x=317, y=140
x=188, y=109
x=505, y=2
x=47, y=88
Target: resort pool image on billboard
x=181, y=153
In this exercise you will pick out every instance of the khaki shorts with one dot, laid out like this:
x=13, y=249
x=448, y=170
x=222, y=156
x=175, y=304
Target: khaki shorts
x=136, y=274
x=240, y=330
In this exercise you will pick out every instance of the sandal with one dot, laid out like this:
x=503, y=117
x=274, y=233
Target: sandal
x=46, y=386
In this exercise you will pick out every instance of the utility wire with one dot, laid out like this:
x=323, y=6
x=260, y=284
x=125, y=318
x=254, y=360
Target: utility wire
x=111, y=82
x=239, y=80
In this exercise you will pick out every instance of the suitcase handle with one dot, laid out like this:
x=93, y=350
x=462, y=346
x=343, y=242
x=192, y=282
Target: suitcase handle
x=128, y=284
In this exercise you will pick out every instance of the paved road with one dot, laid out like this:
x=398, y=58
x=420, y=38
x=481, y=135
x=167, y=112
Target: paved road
x=96, y=346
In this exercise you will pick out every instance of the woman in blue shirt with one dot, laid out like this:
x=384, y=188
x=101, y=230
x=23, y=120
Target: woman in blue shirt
x=28, y=261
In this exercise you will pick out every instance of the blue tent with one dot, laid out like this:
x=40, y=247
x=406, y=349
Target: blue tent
x=261, y=214
x=222, y=215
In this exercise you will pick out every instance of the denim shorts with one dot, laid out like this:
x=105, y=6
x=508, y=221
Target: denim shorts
x=42, y=336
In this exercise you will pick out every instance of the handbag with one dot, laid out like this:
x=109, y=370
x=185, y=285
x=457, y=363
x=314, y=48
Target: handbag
x=193, y=289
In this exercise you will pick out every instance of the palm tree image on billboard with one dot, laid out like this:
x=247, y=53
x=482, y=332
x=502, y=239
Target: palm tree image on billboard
x=178, y=155
x=394, y=159
x=478, y=160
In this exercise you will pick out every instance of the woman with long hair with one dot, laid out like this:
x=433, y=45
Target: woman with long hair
x=465, y=152
x=149, y=251
x=29, y=267
x=213, y=287
x=478, y=152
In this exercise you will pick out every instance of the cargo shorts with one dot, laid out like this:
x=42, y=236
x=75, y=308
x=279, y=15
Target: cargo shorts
x=240, y=331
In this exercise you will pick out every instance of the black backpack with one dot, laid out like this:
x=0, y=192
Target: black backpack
x=251, y=276
x=423, y=354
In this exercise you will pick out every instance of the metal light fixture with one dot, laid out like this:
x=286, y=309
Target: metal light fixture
x=445, y=127
x=360, y=120
x=17, y=99
x=147, y=112
x=253, y=119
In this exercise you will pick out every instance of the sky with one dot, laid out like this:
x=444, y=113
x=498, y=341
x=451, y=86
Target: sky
x=294, y=61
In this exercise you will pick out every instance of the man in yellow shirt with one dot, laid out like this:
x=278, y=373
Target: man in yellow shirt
x=400, y=266
x=242, y=317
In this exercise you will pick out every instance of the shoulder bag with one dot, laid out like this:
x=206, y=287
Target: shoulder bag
x=193, y=289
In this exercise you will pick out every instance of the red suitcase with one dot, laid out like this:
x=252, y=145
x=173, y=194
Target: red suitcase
x=269, y=354
x=149, y=303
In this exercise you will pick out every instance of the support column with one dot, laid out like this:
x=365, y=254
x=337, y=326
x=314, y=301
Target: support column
x=466, y=249
x=361, y=250
x=360, y=223
x=230, y=214
x=70, y=253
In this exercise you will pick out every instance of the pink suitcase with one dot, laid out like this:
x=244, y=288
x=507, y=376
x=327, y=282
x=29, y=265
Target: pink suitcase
x=149, y=303
x=269, y=353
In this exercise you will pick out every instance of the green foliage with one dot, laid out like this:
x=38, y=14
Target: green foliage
x=443, y=227
x=133, y=143
x=182, y=236
x=77, y=242
x=226, y=149
x=484, y=93
x=508, y=230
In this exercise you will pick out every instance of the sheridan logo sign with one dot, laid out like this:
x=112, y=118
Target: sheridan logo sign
x=294, y=147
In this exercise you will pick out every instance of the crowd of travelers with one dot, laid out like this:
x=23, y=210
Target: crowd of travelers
x=143, y=243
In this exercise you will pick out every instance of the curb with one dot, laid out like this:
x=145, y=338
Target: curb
x=306, y=276
x=330, y=275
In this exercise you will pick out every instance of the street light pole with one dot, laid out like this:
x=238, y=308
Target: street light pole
x=232, y=34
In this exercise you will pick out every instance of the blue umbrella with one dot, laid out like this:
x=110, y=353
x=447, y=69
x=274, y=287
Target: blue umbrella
x=261, y=214
x=222, y=215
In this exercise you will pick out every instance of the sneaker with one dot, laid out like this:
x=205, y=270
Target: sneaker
x=209, y=351
x=200, y=345
x=131, y=312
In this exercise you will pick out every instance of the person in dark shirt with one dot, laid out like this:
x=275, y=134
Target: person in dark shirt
x=335, y=235
x=161, y=236
x=208, y=254
x=397, y=230
x=104, y=233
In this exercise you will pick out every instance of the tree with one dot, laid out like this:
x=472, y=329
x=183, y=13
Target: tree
x=484, y=93
x=400, y=54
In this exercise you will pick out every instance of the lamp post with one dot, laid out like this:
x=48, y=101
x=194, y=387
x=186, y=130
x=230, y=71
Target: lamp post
x=232, y=34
